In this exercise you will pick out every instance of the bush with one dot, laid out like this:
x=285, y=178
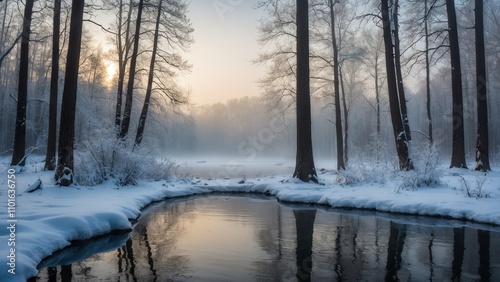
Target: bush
x=425, y=168
x=101, y=158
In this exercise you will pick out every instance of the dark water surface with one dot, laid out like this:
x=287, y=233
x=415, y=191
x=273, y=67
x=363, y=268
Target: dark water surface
x=252, y=238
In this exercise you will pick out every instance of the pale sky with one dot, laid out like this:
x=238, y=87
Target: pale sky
x=225, y=44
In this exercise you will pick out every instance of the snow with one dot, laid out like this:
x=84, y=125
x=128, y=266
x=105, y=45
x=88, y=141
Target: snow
x=49, y=219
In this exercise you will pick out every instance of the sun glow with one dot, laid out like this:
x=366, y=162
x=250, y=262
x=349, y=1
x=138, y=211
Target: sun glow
x=111, y=71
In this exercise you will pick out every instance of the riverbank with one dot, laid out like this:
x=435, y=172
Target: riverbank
x=50, y=218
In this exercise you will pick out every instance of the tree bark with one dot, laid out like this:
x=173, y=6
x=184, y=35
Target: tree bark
x=405, y=162
x=149, y=89
x=19, y=150
x=482, y=144
x=458, y=145
x=50, y=157
x=336, y=82
x=130, y=85
x=65, y=164
x=304, y=166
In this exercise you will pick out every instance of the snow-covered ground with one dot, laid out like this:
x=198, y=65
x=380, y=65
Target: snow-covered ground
x=49, y=219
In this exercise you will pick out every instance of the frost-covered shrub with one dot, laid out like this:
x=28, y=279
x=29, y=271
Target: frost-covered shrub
x=101, y=158
x=425, y=160
x=362, y=172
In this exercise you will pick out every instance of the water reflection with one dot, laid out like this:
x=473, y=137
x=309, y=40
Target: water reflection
x=304, y=225
x=232, y=238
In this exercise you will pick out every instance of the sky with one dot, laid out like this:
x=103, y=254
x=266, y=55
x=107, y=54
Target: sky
x=225, y=44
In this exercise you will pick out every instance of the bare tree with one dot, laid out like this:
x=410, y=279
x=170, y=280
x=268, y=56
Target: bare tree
x=399, y=75
x=50, y=157
x=427, y=71
x=124, y=42
x=18, y=154
x=172, y=16
x=458, y=139
x=304, y=166
x=398, y=123
x=65, y=164
x=5, y=46
x=336, y=81
x=4, y=54
x=482, y=144
x=279, y=30
x=131, y=79
x=372, y=56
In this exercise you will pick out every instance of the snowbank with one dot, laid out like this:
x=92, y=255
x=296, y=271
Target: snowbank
x=48, y=219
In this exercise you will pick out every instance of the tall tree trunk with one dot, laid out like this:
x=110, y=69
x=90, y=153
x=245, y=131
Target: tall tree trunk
x=149, y=89
x=405, y=162
x=458, y=146
x=399, y=74
x=304, y=166
x=50, y=157
x=123, y=51
x=482, y=144
x=428, y=73
x=377, y=98
x=336, y=82
x=65, y=164
x=346, y=118
x=130, y=86
x=18, y=155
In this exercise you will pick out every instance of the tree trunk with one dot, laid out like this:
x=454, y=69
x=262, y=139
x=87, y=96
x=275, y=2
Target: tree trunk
x=50, y=157
x=399, y=74
x=346, y=118
x=482, y=144
x=123, y=51
x=304, y=166
x=130, y=86
x=65, y=164
x=377, y=98
x=149, y=89
x=18, y=154
x=336, y=82
x=428, y=74
x=405, y=162
x=458, y=146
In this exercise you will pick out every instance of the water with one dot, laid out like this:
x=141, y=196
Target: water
x=253, y=238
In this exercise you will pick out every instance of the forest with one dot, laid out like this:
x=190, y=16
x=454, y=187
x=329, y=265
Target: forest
x=385, y=80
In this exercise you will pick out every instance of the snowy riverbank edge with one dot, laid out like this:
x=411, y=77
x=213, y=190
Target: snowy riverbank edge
x=50, y=218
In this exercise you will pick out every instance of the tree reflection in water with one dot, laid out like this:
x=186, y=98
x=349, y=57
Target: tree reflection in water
x=256, y=239
x=394, y=250
x=304, y=224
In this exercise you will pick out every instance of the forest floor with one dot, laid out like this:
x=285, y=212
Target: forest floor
x=49, y=219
